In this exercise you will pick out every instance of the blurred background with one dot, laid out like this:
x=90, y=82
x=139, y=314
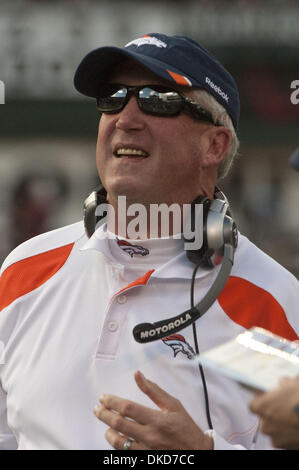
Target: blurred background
x=48, y=131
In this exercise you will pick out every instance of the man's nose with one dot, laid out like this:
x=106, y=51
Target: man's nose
x=131, y=117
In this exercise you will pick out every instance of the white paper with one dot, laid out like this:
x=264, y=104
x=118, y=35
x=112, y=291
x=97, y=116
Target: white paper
x=256, y=358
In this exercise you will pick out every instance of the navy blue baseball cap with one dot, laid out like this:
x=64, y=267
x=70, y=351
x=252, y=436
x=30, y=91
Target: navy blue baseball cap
x=177, y=59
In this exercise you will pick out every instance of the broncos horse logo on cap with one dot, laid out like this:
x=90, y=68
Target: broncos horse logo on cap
x=179, y=344
x=148, y=41
x=132, y=249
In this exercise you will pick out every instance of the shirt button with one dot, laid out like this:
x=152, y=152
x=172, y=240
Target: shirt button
x=112, y=326
x=121, y=299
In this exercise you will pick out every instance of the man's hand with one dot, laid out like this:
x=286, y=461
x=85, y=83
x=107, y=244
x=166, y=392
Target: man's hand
x=278, y=418
x=171, y=427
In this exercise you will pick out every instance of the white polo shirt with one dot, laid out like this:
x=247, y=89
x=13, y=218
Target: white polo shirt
x=68, y=306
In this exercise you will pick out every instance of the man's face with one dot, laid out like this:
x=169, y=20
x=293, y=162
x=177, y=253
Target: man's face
x=171, y=169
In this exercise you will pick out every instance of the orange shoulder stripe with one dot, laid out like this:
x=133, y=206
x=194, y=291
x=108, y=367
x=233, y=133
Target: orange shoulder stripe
x=27, y=274
x=250, y=305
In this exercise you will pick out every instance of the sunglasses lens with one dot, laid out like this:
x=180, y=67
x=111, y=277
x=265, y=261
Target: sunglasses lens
x=111, y=99
x=159, y=101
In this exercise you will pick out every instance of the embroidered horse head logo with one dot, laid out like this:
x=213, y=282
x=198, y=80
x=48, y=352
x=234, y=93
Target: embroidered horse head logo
x=132, y=249
x=179, y=344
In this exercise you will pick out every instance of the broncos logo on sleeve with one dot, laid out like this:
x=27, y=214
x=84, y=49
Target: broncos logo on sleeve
x=179, y=344
x=132, y=249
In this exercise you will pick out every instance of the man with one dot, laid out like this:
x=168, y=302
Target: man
x=69, y=304
x=279, y=408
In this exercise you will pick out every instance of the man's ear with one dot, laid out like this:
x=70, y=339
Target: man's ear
x=217, y=143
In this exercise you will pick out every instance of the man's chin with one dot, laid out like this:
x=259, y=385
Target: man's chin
x=129, y=188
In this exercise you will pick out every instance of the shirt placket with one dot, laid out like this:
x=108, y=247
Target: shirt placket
x=115, y=317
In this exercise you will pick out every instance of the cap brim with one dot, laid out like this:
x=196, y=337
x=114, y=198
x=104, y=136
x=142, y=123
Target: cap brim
x=94, y=69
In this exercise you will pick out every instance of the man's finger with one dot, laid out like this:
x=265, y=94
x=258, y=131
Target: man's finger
x=119, y=423
x=139, y=413
x=162, y=399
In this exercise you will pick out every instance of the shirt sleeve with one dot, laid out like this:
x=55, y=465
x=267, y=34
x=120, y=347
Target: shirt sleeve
x=7, y=438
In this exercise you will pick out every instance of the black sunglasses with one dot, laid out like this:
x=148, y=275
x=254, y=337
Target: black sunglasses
x=152, y=99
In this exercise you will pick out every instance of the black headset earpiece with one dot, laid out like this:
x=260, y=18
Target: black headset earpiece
x=218, y=229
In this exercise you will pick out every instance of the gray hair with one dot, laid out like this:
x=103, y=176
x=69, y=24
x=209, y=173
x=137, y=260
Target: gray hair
x=219, y=114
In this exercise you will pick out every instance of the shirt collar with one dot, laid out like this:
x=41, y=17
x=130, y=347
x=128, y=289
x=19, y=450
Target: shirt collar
x=178, y=267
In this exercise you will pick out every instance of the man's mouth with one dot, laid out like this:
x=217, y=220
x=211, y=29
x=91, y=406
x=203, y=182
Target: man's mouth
x=130, y=152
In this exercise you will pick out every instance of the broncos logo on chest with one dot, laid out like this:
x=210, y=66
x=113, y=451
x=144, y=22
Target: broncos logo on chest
x=132, y=249
x=179, y=345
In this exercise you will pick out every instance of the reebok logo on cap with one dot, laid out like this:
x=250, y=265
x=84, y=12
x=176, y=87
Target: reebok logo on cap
x=217, y=89
x=147, y=40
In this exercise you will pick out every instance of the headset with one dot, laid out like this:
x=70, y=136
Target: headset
x=220, y=239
